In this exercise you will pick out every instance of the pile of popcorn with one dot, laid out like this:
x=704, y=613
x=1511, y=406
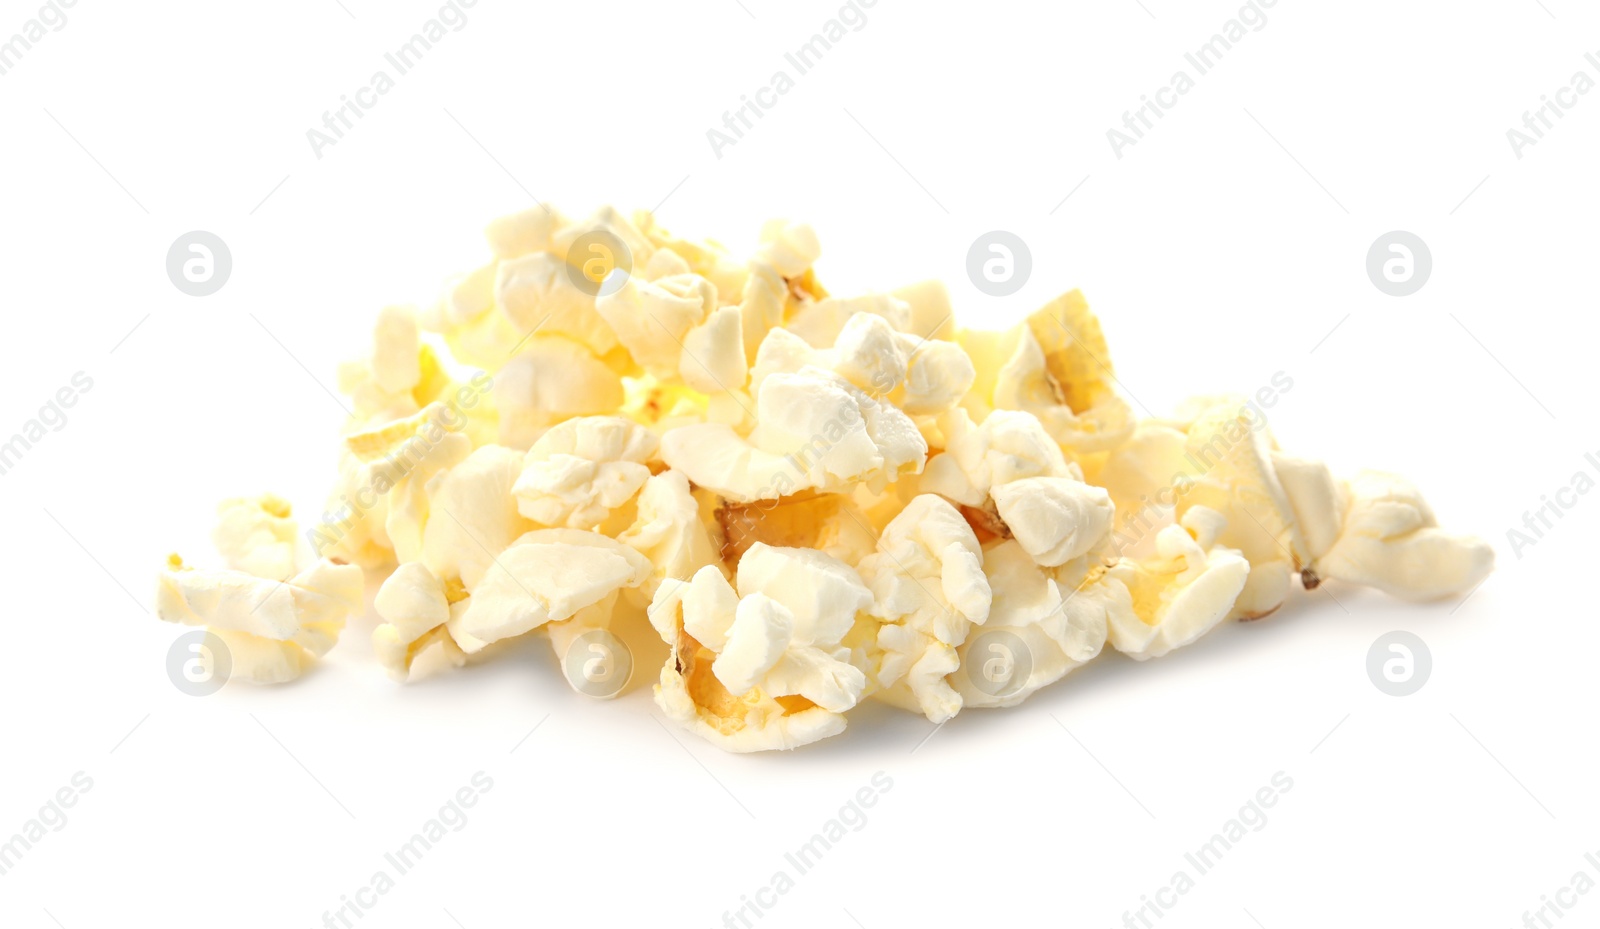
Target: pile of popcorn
x=811, y=500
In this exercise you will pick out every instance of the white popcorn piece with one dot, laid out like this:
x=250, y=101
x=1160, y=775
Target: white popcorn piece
x=544, y=576
x=473, y=515
x=651, y=318
x=814, y=431
x=929, y=588
x=521, y=233
x=400, y=376
x=1055, y=519
x=938, y=375
x=551, y=379
x=1230, y=455
x=397, y=462
x=1390, y=540
x=256, y=535
x=820, y=323
x=1007, y=446
x=766, y=666
x=536, y=291
x=279, y=626
x=790, y=248
x=712, y=360
x=1183, y=593
x=1062, y=623
x=415, y=607
x=669, y=531
x=582, y=470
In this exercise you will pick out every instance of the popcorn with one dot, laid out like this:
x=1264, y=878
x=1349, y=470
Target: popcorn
x=764, y=667
x=929, y=588
x=1060, y=626
x=274, y=629
x=1183, y=593
x=808, y=499
x=815, y=431
x=544, y=576
x=582, y=470
x=256, y=535
x=415, y=607
x=669, y=531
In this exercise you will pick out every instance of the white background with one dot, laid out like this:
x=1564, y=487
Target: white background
x=1224, y=247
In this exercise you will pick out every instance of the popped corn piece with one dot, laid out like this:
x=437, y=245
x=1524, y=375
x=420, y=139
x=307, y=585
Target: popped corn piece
x=1237, y=479
x=791, y=248
x=472, y=515
x=1055, y=519
x=400, y=376
x=669, y=531
x=550, y=379
x=545, y=575
x=397, y=462
x=536, y=292
x=1390, y=540
x=1061, y=622
x=814, y=431
x=821, y=322
x=279, y=625
x=256, y=535
x=712, y=360
x=651, y=318
x=833, y=524
x=929, y=588
x=938, y=375
x=931, y=316
x=520, y=233
x=1183, y=593
x=415, y=607
x=764, y=667
x=1007, y=446
x=582, y=470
